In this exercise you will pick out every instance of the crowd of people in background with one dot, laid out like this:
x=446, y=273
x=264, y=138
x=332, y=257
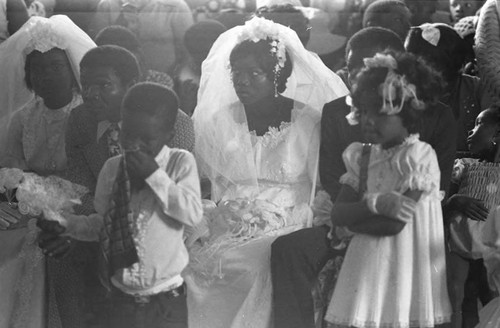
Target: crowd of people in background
x=252, y=163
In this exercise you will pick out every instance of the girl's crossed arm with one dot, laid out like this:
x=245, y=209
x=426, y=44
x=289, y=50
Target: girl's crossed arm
x=357, y=216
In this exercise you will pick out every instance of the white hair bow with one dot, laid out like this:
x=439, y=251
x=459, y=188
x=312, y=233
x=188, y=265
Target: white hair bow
x=430, y=33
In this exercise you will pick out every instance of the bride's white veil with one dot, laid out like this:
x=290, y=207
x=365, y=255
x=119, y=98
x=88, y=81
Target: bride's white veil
x=219, y=114
x=42, y=34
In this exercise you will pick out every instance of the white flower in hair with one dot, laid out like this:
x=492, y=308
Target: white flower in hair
x=381, y=60
x=260, y=28
x=394, y=86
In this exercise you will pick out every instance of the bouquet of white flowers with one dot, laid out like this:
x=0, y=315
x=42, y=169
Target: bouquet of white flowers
x=36, y=195
x=244, y=219
x=234, y=223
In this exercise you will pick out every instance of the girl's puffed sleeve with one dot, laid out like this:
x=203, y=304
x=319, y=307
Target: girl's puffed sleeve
x=419, y=168
x=352, y=158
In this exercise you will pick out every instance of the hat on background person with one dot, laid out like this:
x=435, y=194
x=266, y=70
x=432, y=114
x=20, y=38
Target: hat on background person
x=466, y=26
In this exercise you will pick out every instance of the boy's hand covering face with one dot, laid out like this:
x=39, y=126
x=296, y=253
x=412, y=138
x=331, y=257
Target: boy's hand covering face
x=140, y=164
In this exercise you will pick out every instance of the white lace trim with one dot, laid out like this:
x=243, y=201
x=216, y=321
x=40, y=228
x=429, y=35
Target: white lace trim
x=426, y=323
x=274, y=136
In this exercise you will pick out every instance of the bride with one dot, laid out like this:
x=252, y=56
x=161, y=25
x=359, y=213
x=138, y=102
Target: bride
x=257, y=141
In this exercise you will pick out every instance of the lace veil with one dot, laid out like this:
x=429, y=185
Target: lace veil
x=42, y=34
x=223, y=147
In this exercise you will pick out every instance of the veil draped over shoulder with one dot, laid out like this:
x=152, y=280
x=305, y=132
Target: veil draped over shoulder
x=224, y=155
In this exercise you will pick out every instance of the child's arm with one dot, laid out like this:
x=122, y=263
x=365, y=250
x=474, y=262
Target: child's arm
x=179, y=194
x=82, y=227
x=356, y=215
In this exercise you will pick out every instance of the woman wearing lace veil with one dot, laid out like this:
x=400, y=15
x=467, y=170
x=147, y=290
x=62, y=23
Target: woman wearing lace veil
x=257, y=141
x=39, y=65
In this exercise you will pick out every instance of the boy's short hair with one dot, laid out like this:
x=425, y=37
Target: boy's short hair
x=200, y=37
x=119, y=36
x=123, y=62
x=152, y=99
x=366, y=42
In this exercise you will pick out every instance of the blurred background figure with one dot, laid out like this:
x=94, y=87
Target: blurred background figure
x=198, y=40
x=463, y=8
x=390, y=14
x=159, y=25
x=466, y=28
x=80, y=11
x=421, y=11
x=13, y=14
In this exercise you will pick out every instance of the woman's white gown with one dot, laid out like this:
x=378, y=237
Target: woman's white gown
x=235, y=289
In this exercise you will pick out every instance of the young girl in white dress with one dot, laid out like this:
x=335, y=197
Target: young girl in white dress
x=394, y=272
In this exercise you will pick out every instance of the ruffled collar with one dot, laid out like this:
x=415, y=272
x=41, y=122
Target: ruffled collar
x=411, y=139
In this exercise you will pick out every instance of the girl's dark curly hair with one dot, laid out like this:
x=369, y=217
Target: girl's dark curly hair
x=261, y=50
x=428, y=83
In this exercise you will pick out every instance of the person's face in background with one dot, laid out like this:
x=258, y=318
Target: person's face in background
x=481, y=138
x=103, y=91
x=51, y=76
x=421, y=11
x=463, y=8
x=395, y=21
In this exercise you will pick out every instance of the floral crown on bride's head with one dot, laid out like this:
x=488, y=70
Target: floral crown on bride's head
x=395, y=90
x=260, y=28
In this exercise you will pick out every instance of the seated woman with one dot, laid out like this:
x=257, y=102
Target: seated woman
x=257, y=141
x=40, y=67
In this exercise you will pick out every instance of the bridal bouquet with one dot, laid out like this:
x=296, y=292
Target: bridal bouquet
x=232, y=224
x=245, y=219
x=36, y=195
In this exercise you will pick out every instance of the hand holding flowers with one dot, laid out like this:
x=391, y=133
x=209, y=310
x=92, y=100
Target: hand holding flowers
x=35, y=195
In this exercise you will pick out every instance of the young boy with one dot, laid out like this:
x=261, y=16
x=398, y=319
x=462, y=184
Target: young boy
x=143, y=199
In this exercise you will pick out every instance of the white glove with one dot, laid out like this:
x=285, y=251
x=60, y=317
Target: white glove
x=392, y=204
